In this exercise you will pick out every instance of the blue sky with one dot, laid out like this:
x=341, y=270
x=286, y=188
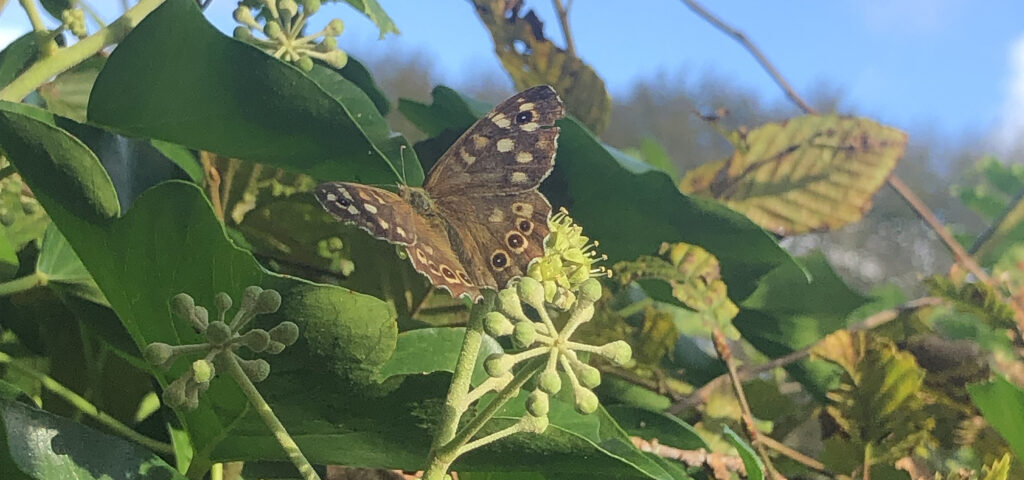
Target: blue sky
x=952, y=67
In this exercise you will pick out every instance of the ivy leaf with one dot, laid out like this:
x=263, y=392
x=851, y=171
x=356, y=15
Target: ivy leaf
x=810, y=173
x=1002, y=405
x=376, y=14
x=246, y=104
x=17, y=56
x=531, y=59
x=43, y=445
x=62, y=268
x=68, y=94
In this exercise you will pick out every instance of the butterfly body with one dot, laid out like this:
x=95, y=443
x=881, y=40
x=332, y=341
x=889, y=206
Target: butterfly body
x=478, y=220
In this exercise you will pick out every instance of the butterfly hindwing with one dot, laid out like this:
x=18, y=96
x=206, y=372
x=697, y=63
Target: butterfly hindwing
x=388, y=216
x=497, y=240
x=510, y=150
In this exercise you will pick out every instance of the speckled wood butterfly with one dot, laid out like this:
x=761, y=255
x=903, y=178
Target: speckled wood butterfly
x=479, y=220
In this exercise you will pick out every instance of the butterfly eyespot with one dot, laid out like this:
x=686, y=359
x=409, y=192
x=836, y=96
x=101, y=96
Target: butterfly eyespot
x=499, y=260
x=524, y=117
x=447, y=272
x=516, y=242
x=525, y=226
x=344, y=203
x=464, y=278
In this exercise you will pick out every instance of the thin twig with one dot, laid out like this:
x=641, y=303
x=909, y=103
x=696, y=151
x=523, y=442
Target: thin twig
x=747, y=373
x=212, y=183
x=919, y=207
x=718, y=464
x=563, y=18
x=1011, y=217
x=725, y=353
x=794, y=455
x=756, y=52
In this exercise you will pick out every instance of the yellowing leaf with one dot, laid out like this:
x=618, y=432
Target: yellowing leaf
x=531, y=59
x=693, y=275
x=810, y=173
x=999, y=470
x=977, y=298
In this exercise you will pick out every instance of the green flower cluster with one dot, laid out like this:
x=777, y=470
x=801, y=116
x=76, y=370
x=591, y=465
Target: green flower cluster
x=540, y=338
x=73, y=19
x=568, y=261
x=222, y=338
x=282, y=27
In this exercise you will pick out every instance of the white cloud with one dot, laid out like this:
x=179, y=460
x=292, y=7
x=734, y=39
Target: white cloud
x=1010, y=134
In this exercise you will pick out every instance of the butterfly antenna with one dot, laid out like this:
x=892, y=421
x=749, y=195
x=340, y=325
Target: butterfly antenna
x=401, y=156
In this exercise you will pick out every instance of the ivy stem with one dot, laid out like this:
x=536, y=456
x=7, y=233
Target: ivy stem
x=454, y=404
x=267, y=414
x=66, y=58
x=46, y=44
x=22, y=284
x=84, y=406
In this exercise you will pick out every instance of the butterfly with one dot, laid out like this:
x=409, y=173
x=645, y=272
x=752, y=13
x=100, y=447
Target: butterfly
x=479, y=220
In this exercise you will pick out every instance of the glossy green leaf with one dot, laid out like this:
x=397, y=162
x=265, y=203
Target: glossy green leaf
x=786, y=313
x=667, y=428
x=137, y=260
x=68, y=94
x=45, y=446
x=428, y=350
x=8, y=257
x=17, y=56
x=357, y=73
x=376, y=14
x=752, y=463
x=321, y=124
x=62, y=268
x=1002, y=405
x=630, y=208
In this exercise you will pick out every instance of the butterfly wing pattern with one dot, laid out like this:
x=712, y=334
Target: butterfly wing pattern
x=479, y=220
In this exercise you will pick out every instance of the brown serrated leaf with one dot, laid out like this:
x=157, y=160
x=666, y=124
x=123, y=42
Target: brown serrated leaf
x=693, y=274
x=810, y=173
x=531, y=59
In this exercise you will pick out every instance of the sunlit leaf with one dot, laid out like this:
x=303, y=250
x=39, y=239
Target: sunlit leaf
x=974, y=297
x=810, y=173
x=693, y=275
x=1002, y=404
x=754, y=467
x=531, y=59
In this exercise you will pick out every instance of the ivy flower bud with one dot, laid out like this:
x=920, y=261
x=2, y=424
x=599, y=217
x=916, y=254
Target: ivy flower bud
x=590, y=290
x=618, y=352
x=200, y=318
x=287, y=333
x=203, y=371
x=272, y=29
x=497, y=325
x=510, y=304
x=537, y=404
x=304, y=63
x=218, y=332
x=244, y=16
x=310, y=6
x=158, y=353
x=334, y=28
x=586, y=401
x=274, y=347
x=257, y=370
x=287, y=9
x=524, y=334
x=174, y=394
x=256, y=339
x=182, y=305
x=242, y=33
x=268, y=301
x=249, y=297
x=222, y=301
x=498, y=364
x=549, y=381
x=328, y=44
x=531, y=292
x=589, y=376
x=336, y=58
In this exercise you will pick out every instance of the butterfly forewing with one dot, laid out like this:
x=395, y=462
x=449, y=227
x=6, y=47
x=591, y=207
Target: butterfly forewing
x=509, y=150
x=479, y=220
x=388, y=216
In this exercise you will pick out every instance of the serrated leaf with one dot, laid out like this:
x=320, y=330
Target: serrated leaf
x=998, y=470
x=376, y=14
x=977, y=298
x=531, y=59
x=878, y=404
x=694, y=276
x=810, y=173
